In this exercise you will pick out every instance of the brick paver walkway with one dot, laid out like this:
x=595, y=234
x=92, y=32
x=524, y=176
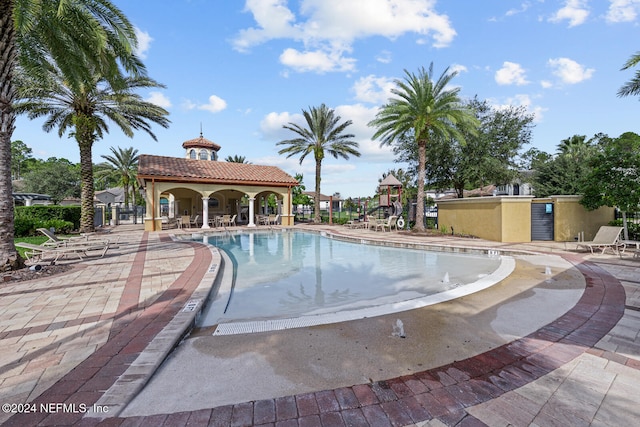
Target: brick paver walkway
x=68, y=339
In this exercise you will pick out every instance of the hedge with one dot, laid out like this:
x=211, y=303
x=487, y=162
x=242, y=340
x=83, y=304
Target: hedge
x=63, y=219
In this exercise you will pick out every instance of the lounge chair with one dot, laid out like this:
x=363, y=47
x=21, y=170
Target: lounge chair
x=38, y=253
x=607, y=237
x=55, y=240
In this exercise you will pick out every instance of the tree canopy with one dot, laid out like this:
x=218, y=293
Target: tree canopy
x=486, y=156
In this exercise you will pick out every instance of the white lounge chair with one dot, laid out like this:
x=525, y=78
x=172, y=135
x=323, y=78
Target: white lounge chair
x=607, y=237
x=38, y=253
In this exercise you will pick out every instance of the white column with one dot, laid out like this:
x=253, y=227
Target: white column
x=205, y=212
x=251, y=212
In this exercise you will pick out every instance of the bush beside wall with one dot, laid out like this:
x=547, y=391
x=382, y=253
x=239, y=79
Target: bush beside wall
x=64, y=219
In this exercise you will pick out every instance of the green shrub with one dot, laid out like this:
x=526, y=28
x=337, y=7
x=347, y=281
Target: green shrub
x=52, y=212
x=64, y=219
x=24, y=226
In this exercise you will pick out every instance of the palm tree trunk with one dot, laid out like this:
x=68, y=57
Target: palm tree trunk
x=422, y=161
x=84, y=137
x=9, y=258
x=316, y=206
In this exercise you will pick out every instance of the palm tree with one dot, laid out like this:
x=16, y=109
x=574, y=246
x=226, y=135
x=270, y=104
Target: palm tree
x=323, y=134
x=69, y=34
x=426, y=110
x=573, y=145
x=125, y=164
x=84, y=111
x=236, y=159
x=632, y=87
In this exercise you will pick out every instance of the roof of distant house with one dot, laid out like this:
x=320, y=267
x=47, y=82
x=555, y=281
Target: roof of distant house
x=323, y=198
x=177, y=169
x=30, y=196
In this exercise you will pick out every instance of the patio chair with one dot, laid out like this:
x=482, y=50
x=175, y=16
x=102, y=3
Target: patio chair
x=273, y=219
x=607, y=237
x=388, y=224
x=232, y=221
x=225, y=220
x=194, y=222
x=170, y=223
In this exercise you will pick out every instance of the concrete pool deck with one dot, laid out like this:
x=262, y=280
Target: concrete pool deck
x=87, y=337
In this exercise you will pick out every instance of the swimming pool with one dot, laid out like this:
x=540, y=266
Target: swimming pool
x=288, y=274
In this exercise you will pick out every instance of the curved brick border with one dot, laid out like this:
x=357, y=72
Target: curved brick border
x=133, y=329
x=442, y=393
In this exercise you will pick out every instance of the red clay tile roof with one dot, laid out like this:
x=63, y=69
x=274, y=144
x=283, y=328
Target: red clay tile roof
x=200, y=142
x=207, y=171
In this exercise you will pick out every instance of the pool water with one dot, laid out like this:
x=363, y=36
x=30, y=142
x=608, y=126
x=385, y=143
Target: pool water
x=285, y=274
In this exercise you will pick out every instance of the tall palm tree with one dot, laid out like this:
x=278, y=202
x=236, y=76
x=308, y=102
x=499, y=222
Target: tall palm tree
x=84, y=113
x=125, y=164
x=323, y=135
x=632, y=87
x=70, y=34
x=426, y=110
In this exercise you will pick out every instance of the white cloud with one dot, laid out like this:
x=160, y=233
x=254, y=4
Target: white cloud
x=623, y=10
x=158, y=99
x=317, y=61
x=569, y=71
x=274, y=21
x=327, y=28
x=511, y=74
x=523, y=100
x=372, y=89
x=188, y=104
x=215, y=105
x=523, y=8
x=546, y=84
x=384, y=57
x=144, y=42
x=271, y=126
x=574, y=11
x=457, y=68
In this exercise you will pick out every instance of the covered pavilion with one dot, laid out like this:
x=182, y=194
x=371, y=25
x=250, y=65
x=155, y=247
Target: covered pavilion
x=203, y=187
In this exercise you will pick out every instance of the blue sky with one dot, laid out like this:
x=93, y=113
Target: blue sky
x=242, y=69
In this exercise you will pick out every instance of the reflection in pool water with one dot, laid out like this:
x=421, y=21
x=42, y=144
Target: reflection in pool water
x=285, y=274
